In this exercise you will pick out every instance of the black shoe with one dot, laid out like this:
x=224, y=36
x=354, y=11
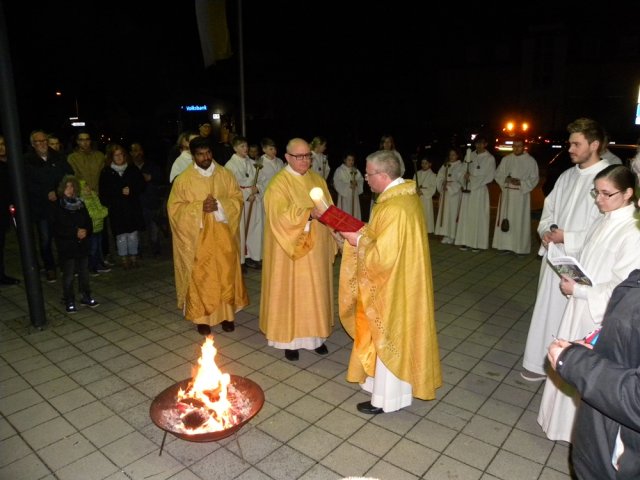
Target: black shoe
x=291, y=355
x=322, y=350
x=366, y=407
x=7, y=280
x=257, y=265
x=228, y=326
x=71, y=307
x=89, y=302
x=204, y=329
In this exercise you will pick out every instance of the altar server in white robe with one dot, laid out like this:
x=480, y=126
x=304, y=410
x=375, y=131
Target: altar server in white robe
x=517, y=176
x=450, y=196
x=609, y=255
x=349, y=183
x=473, y=220
x=426, y=187
x=568, y=213
x=251, y=220
x=270, y=162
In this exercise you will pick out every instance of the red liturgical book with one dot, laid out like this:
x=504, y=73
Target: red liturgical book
x=340, y=220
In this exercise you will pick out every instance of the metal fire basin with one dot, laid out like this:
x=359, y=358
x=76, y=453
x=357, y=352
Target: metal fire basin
x=167, y=400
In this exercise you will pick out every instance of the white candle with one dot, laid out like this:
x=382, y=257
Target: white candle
x=317, y=195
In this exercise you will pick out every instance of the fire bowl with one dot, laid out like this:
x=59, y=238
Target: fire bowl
x=163, y=407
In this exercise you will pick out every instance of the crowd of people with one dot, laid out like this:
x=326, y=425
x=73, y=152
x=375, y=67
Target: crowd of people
x=230, y=208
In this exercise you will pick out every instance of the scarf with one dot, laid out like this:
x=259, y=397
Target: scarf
x=119, y=168
x=71, y=203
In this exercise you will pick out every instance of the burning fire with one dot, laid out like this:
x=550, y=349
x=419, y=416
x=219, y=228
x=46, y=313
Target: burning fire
x=204, y=406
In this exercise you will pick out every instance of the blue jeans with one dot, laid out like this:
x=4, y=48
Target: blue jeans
x=96, y=258
x=127, y=244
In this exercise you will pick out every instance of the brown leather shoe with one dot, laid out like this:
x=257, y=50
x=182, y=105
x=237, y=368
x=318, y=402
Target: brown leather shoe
x=228, y=326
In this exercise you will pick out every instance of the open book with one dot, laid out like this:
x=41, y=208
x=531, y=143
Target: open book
x=566, y=265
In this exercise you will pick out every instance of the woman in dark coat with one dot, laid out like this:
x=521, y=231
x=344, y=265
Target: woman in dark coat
x=121, y=184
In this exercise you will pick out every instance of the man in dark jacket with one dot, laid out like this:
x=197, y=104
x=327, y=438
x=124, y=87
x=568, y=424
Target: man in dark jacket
x=45, y=168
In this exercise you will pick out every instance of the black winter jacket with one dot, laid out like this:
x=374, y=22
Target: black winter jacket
x=608, y=379
x=65, y=230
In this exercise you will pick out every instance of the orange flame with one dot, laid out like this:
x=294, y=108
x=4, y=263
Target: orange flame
x=206, y=395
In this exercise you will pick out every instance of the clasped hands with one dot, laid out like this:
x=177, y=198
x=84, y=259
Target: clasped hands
x=513, y=181
x=210, y=204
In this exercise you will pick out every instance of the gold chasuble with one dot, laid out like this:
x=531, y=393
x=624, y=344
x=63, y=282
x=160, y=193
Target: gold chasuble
x=386, y=295
x=297, y=273
x=208, y=275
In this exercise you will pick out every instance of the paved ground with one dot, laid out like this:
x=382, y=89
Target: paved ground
x=75, y=398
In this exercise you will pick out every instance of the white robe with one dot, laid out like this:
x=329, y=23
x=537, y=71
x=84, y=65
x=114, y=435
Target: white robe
x=450, y=197
x=347, y=196
x=245, y=172
x=270, y=166
x=180, y=164
x=426, y=183
x=473, y=220
x=609, y=255
x=571, y=207
x=515, y=203
x=320, y=164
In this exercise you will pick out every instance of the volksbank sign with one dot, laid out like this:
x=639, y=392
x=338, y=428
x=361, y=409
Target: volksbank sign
x=194, y=108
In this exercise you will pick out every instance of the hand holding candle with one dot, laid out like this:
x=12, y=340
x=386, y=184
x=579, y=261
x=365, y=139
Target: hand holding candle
x=317, y=195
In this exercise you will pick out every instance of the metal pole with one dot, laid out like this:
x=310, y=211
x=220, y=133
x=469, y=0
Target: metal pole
x=241, y=71
x=11, y=128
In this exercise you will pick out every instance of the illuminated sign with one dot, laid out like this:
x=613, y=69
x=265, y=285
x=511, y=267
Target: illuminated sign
x=195, y=108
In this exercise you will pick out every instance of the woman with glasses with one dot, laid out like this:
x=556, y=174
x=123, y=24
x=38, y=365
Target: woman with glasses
x=609, y=254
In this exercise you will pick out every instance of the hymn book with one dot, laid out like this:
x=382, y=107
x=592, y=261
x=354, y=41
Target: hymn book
x=567, y=265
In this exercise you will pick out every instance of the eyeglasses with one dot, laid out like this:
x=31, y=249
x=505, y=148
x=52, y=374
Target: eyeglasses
x=301, y=156
x=594, y=193
x=367, y=175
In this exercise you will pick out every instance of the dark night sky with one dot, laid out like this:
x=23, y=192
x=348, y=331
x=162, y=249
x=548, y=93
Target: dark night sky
x=356, y=69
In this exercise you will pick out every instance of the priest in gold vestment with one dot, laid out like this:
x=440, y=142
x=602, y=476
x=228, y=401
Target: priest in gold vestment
x=204, y=210
x=296, y=306
x=386, y=295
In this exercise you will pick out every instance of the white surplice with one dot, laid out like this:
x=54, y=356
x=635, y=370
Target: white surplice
x=609, y=255
x=515, y=203
x=348, y=198
x=426, y=183
x=449, y=204
x=473, y=220
x=320, y=164
x=570, y=207
x=245, y=172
